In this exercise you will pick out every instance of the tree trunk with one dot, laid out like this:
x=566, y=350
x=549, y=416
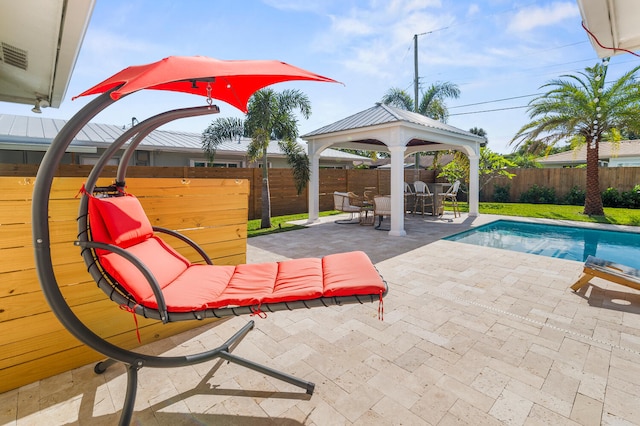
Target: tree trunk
x=266, y=196
x=593, y=198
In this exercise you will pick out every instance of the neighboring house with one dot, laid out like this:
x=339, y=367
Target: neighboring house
x=24, y=140
x=621, y=154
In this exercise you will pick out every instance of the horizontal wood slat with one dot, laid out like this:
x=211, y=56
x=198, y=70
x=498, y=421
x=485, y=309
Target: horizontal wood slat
x=17, y=374
x=212, y=212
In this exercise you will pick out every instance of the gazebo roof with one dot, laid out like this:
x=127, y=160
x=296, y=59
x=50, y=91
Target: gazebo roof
x=360, y=128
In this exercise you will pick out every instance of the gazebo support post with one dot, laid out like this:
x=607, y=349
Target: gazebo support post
x=397, y=191
x=314, y=150
x=474, y=184
x=314, y=184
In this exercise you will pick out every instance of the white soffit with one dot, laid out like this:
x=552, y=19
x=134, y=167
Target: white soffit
x=39, y=45
x=614, y=23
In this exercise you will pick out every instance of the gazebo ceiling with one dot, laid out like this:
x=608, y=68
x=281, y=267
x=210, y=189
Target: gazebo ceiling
x=420, y=142
x=412, y=142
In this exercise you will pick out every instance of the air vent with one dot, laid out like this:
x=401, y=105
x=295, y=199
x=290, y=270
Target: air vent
x=12, y=55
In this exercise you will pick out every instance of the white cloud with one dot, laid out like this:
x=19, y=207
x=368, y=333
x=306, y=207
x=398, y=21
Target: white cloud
x=297, y=5
x=473, y=10
x=374, y=39
x=350, y=26
x=541, y=16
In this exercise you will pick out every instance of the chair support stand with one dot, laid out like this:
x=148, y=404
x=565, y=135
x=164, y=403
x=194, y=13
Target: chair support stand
x=223, y=351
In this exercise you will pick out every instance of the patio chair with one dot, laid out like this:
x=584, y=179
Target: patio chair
x=409, y=197
x=610, y=271
x=369, y=193
x=381, y=208
x=346, y=202
x=451, y=197
x=424, y=197
x=144, y=275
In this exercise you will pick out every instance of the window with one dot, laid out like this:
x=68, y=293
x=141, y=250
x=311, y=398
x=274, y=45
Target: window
x=204, y=163
x=91, y=161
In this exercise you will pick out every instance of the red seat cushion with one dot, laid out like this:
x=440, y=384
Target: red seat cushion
x=165, y=264
x=186, y=287
x=120, y=221
x=298, y=279
x=347, y=274
x=249, y=285
x=195, y=288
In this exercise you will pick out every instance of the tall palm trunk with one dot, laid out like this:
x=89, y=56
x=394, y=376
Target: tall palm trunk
x=266, y=196
x=593, y=199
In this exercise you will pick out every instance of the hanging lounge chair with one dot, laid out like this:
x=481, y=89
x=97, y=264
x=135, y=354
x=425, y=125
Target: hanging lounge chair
x=141, y=273
x=139, y=270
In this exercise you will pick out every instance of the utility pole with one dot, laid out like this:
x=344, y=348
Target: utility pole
x=415, y=75
x=416, y=95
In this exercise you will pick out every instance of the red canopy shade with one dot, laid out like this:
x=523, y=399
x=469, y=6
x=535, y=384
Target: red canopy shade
x=231, y=81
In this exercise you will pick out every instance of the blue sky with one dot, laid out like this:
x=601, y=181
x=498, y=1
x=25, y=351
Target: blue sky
x=498, y=52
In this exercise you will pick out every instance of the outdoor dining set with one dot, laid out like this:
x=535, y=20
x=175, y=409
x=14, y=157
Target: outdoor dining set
x=419, y=197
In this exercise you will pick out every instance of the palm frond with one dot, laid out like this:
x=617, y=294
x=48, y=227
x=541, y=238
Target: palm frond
x=298, y=161
x=221, y=130
x=398, y=98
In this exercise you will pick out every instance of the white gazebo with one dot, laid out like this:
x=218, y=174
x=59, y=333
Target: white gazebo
x=401, y=133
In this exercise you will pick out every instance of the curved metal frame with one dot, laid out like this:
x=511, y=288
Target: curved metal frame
x=46, y=274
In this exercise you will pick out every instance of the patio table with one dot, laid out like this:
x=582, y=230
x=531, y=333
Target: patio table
x=438, y=189
x=366, y=214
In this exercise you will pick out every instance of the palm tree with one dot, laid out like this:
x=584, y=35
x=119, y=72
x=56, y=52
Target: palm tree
x=579, y=108
x=432, y=104
x=270, y=116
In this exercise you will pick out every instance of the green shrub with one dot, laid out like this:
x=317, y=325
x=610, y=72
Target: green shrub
x=501, y=193
x=539, y=195
x=611, y=198
x=575, y=197
x=630, y=199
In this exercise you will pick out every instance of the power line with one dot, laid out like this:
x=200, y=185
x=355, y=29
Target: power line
x=490, y=110
x=496, y=100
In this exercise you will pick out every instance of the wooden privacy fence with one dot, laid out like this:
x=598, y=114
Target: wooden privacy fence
x=212, y=212
x=284, y=198
x=562, y=180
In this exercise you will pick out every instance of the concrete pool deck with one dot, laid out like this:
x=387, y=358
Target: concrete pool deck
x=471, y=335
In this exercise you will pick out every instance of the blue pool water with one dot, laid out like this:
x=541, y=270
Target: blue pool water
x=566, y=242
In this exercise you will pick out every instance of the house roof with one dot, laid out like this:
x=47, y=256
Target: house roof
x=385, y=114
x=606, y=151
x=36, y=133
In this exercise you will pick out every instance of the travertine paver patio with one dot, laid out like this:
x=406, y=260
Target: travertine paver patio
x=470, y=335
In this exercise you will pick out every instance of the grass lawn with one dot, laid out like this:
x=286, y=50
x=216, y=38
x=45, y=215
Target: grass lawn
x=549, y=211
x=612, y=215
x=279, y=224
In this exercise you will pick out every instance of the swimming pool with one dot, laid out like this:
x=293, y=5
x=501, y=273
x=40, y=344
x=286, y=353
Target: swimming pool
x=566, y=242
